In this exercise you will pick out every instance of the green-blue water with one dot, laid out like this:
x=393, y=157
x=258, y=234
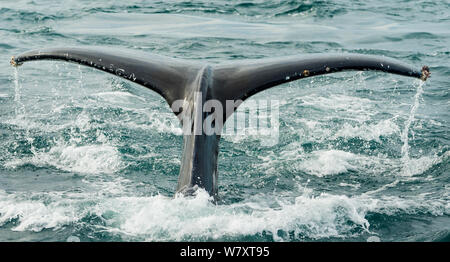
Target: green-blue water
x=361, y=156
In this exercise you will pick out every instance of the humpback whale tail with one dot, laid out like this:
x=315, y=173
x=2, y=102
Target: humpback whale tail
x=187, y=87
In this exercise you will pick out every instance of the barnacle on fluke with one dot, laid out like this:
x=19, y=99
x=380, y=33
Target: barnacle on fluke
x=13, y=62
x=425, y=73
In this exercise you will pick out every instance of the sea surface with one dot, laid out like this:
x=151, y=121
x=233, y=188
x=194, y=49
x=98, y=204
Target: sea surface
x=360, y=156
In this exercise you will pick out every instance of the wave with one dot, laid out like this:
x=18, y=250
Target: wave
x=88, y=159
x=159, y=218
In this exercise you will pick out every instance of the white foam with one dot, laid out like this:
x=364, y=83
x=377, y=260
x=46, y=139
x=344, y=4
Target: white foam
x=323, y=162
x=373, y=239
x=160, y=218
x=329, y=162
x=369, y=132
x=88, y=159
x=73, y=239
x=162, y=123
x=35, y=215
x=85, y=159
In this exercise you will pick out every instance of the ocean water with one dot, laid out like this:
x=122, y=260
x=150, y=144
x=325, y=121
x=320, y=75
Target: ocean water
x=361, y=156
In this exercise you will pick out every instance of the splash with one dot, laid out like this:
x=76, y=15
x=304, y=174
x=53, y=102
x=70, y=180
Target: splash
x=80, y=79
x=19, y=107
x=161, y=218
x=407, y=171
x=87, y=159
x=329, y=162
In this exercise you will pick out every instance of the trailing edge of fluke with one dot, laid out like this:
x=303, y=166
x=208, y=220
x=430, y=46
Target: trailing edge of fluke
x=178, y=80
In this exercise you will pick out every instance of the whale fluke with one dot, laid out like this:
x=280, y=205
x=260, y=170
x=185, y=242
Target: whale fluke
x=180, y=80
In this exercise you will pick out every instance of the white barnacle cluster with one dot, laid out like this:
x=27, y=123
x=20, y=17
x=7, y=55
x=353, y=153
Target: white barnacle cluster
x=120, y=71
